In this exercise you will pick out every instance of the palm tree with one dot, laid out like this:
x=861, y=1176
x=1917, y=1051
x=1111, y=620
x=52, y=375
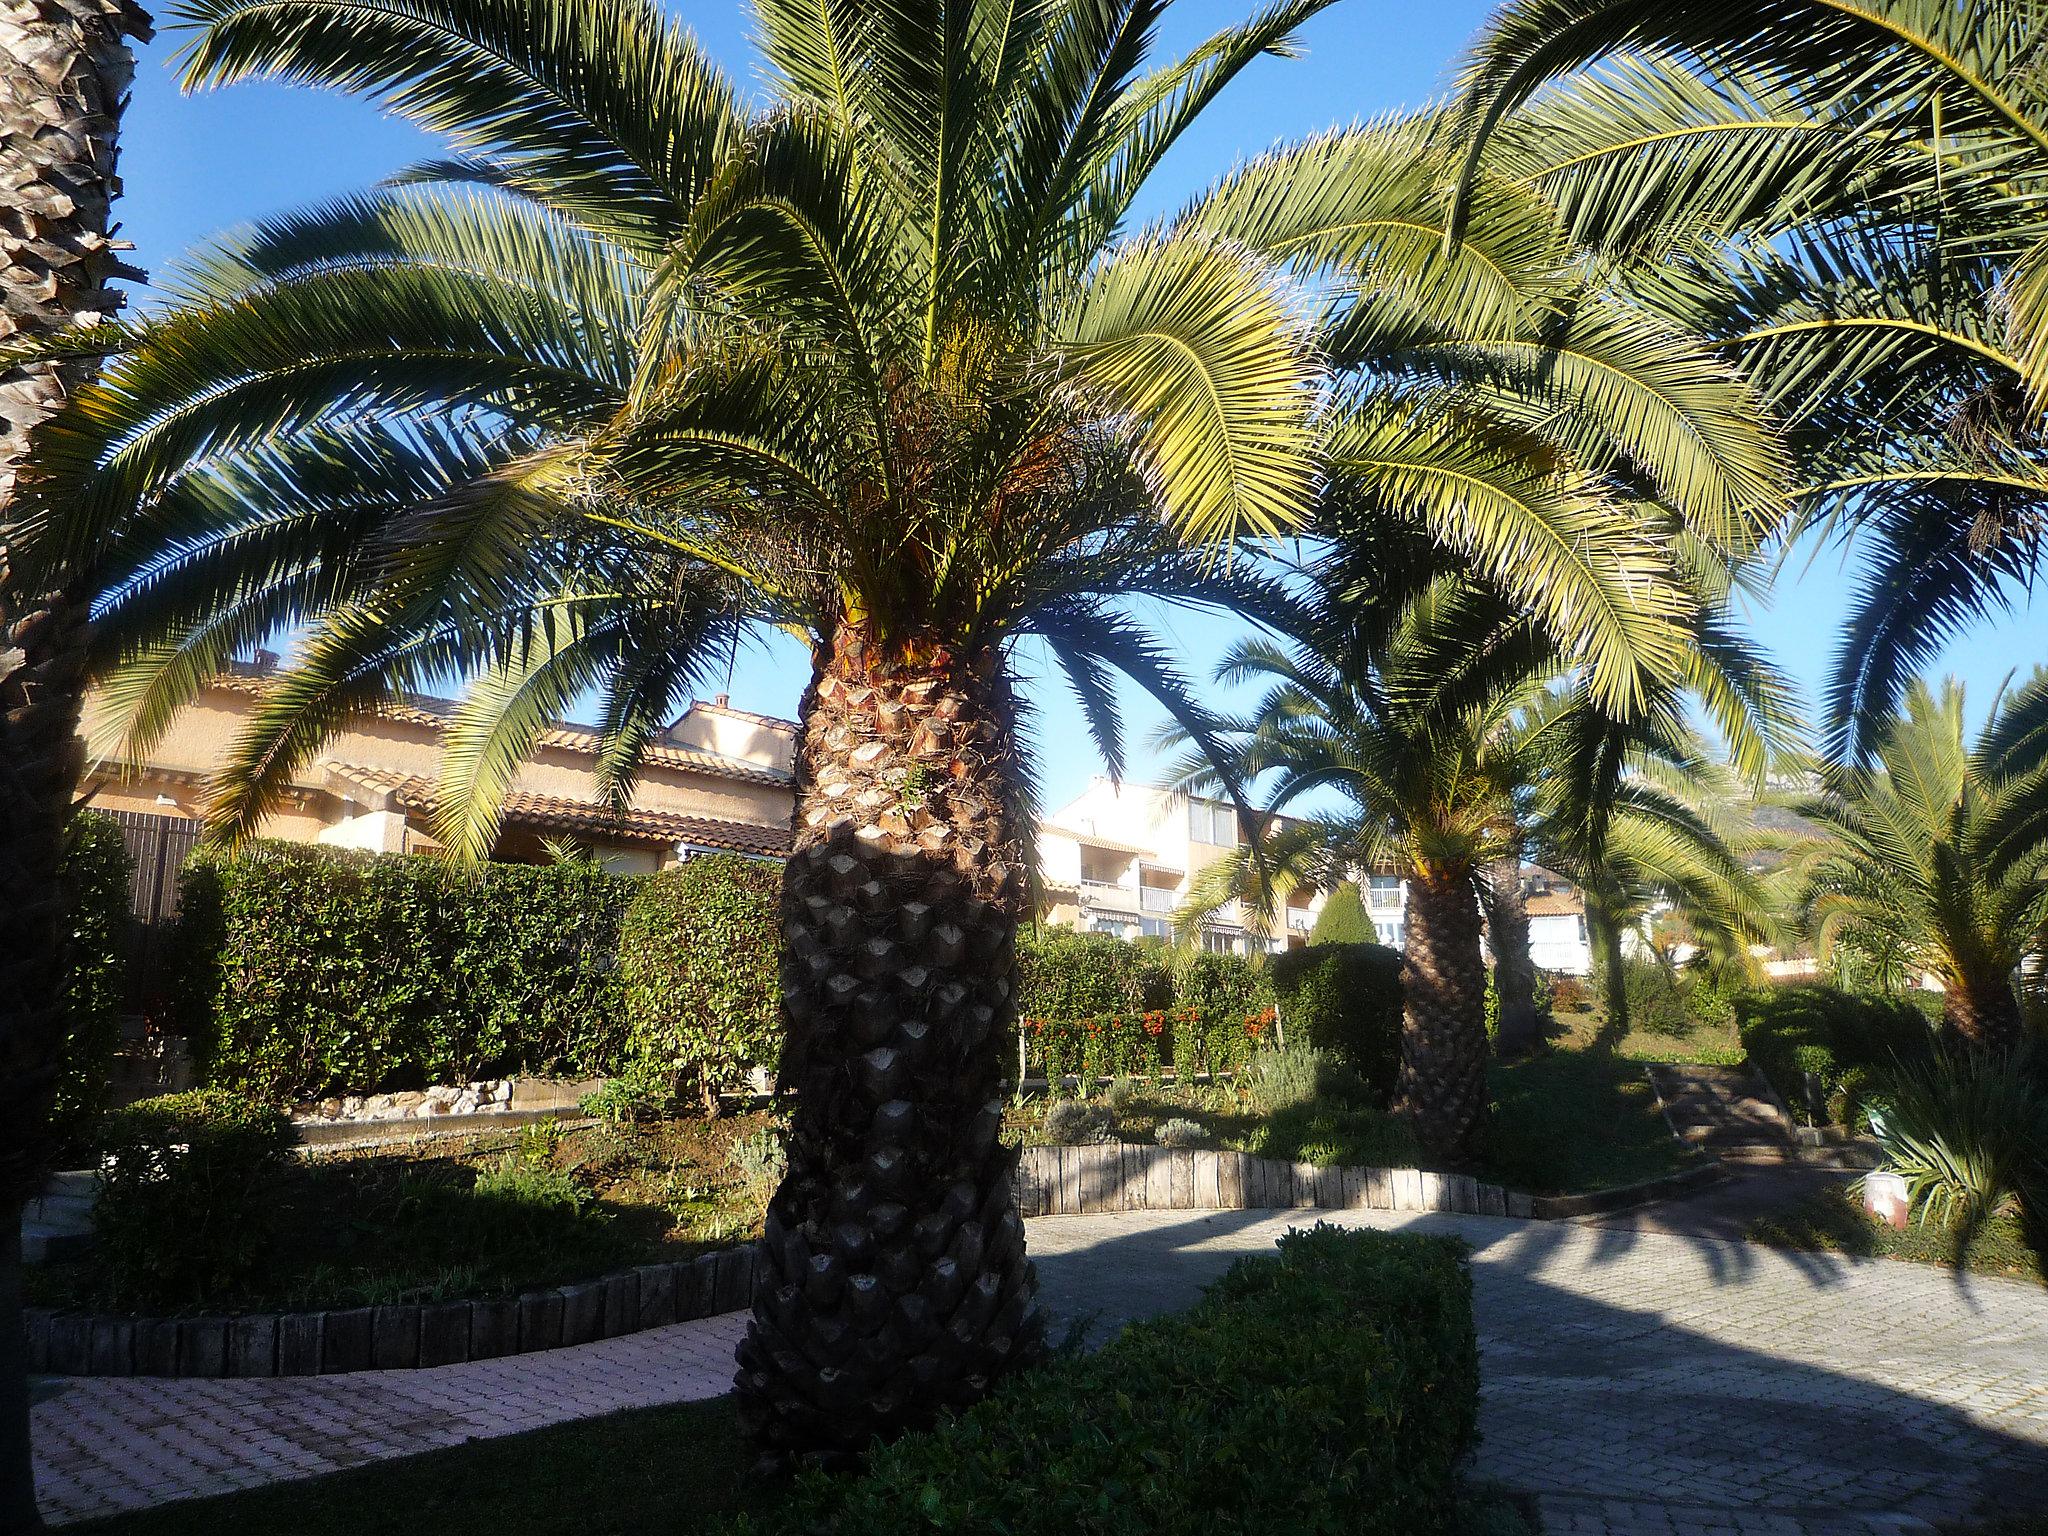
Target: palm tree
x=1414, y=733
x=639, y=372
x=1924, y=861
x=1852, y=199
x=64, y=72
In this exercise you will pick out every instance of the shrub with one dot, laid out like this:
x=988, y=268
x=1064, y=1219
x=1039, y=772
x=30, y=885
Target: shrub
x=99, y=869
x=761, y=1161
x=185, y=1197
x=1656, y=998
x=1097, y=1006
x=308, y=971
x=643, y=1090
x=698, y=951
x=1072, y=1123
x=1968, y=1130
x=1344, y=919
x=1296, y=1074
x=1345, y=999
x=1568, y=994
x=1331, y=1387
x=1179, y=1132
x=1834, y=1040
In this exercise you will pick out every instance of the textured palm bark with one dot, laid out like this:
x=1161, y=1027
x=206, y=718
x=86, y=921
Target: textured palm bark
x=65, y=66
x=1984, y=1013
x=1514, y=972
x=1442, y=1086
x=893, y=1280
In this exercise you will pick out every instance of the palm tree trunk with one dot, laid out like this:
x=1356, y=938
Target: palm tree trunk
x=1603, y=934
x=1442, y=1086
x=65, y=66
x=1983, y=1012
x=1514, y=973
x=892, y=1279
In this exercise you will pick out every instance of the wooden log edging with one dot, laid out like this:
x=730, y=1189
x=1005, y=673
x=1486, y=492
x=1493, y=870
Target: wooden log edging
x=402, y=1337
x=1107, y=1177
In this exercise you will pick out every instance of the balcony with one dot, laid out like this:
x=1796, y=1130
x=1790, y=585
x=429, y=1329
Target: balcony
x=1103, y=894
x=1153, y=898
x=1300, y=920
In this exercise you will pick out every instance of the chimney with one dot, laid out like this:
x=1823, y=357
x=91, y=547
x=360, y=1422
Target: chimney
x=721, y=701
x=265, y=662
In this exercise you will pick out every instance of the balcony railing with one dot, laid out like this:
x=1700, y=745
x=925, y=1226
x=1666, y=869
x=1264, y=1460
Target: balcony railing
x=1153, y=898
x=1104, y=893
x=1300, y=919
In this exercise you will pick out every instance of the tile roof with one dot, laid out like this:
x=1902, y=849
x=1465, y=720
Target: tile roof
x=435, y=715
x=1565, y=903
x=563, y=814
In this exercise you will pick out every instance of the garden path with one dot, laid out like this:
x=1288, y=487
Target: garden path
x=1634, y=1382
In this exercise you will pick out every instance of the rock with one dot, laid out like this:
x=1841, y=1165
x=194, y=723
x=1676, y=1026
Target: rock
x=352, y=1106
x=330, y=1109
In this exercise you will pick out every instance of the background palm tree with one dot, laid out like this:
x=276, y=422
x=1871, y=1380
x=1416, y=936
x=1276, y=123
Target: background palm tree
x=1923, y=862
x=64, y=72
x=638, y=372
x=1852, y=199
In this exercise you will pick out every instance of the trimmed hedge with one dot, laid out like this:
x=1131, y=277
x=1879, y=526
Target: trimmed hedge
x=310, y=971
x=99, y=869
x=1094, y=1004
x=184, y=1209
x=1344, y=919
x=1840, y=1039
x=1345, y=999
x=1332, y=1387
x=698, y=951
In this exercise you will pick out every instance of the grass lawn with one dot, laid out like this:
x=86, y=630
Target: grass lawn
x=1832, y=1220
x=437, y=1219
x=673, y=1471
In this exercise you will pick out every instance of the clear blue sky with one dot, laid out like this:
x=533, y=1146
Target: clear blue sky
x=196, y=165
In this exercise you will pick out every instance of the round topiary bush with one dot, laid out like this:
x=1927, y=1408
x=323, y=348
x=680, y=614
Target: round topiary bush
x=1345, y=999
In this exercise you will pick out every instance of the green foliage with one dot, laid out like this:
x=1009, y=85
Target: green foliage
x=1344, y=919
x=698, y=951
x=99, y=869
x=643, y=1090
x=1296, y=1074
x=1180, y=1132
x=1100, y=1007
x=186, y=1181
x=308, y=971
x=1075, y=1123
x=1833, y=1040
x=1346, y=999
x=1657, y=998
x=1968, y=1130
x=1332, y=1387
x=761, y=1161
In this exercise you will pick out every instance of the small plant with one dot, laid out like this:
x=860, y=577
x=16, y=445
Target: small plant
x=1125, y=1094
x=1968, y=1131
x=760, y=1162
x=539, y=1141
x=1071, y=1123
x=645, y=1090
x=1295, y=1074
x=1180, y=1132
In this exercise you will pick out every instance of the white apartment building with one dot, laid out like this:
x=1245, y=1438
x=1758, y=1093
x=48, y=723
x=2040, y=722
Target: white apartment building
x=1123, y=859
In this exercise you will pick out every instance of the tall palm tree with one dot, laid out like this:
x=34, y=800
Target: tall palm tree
x=640, y=371
x=1853, y=200
x=64, y=72
x=1924, y=862
x=1413, y=733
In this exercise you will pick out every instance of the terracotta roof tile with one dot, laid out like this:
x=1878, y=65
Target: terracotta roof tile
x=563, y=814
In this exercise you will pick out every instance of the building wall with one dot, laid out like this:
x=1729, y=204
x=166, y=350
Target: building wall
x=1557, y=943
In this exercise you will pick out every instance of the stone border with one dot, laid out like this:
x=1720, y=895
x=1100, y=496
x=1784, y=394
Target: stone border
x=393, y=1338
x=1083, y=1181
x=1626, y=1197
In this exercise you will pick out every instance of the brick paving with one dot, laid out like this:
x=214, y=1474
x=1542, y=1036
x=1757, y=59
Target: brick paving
x=105, y=1444
x=1636, y=1383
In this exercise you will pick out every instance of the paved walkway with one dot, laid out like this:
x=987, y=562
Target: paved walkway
x=1640, y=1384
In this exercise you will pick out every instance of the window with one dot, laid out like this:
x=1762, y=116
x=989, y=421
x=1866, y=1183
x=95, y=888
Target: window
x=1209, y=822
x=1218, y=943
x=1384, y=890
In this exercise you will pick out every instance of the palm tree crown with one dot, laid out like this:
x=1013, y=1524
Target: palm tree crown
x=1933, y=858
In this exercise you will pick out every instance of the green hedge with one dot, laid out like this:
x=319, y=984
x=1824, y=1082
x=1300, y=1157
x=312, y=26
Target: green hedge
x=99, y=868
x=1346, y=999
x=1840, y=1039
x=1344, y=918
x=185, y=1208
x=1330, y=1388
x=697, y=971
x=1091, y=1003
x=309, y=971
